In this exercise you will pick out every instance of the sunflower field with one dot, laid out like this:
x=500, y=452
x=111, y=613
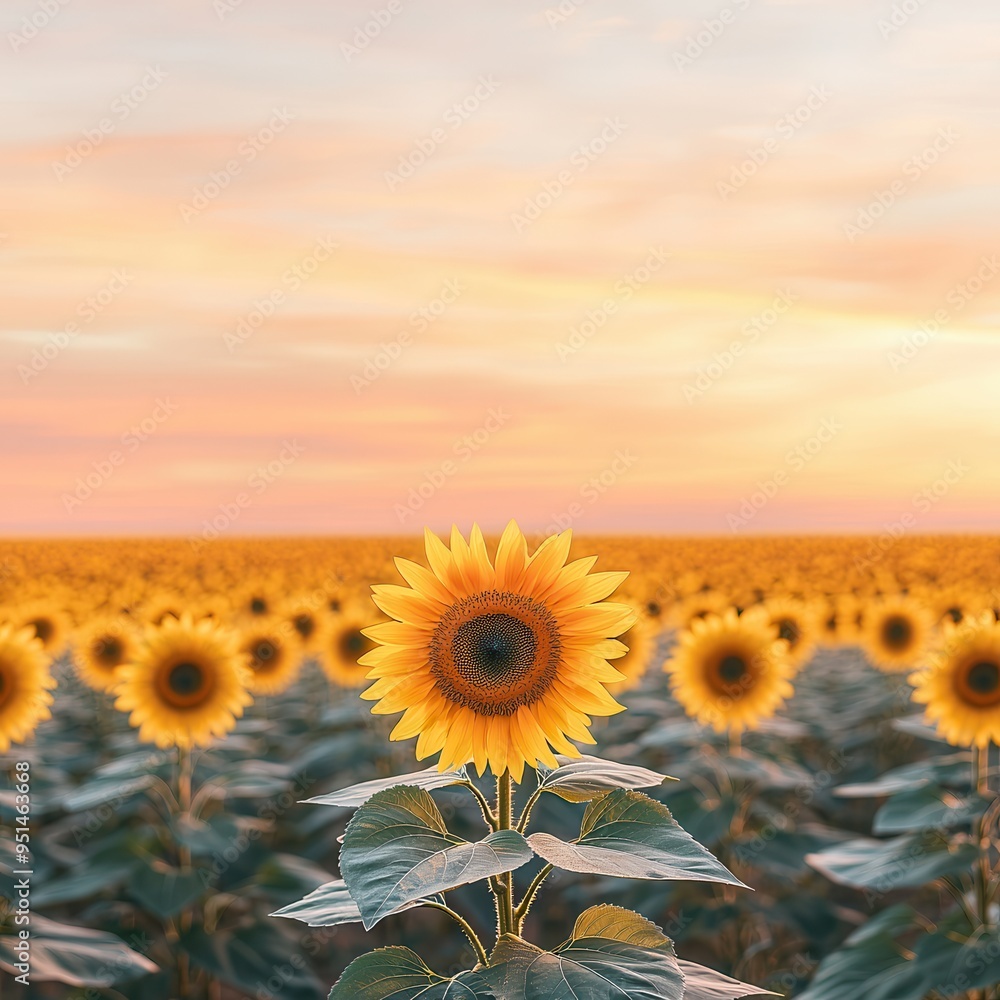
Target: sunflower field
x=472, y=768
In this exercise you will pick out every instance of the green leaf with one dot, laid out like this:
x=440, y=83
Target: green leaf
x=165, y=891
x=954, y=967
x=100, y=791
x=581, y=779
x=629, y=835
x=254, y=959
x=874, y=970
x=76, y=956
x=891, y=921
x=886, y=865
x=401, y=974
x=952, y=770
x=613, y=954
x=925, y=807
x=329, y=905
x=358, y=795
x=397, y=849
x=88, y=879
x=707, y=984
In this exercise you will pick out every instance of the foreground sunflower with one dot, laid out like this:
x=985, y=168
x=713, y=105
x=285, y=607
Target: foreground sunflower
x=186, y=686
x=100, y=649
x=343, y=643
x=25, y=683
x=896, y=633
x=730, y=671
x=497, y=662
x=961, y=688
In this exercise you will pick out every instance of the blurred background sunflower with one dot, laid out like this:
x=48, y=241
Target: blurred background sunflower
x=25, y=685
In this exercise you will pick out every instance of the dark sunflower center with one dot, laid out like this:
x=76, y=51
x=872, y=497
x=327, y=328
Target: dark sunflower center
x=263, y=652
x=334, y=604
x=494, y=652
x=353, y=644
x=108, y=651
x=258, y=606
x=43, y=628
x=304, y=625
x=955, y=614
x=654, y=609
x=494, y=648
x=732, y=668
x=789, y=631
x=3, y=682
x=897, y=632
x=186, y=679
x=984, y=677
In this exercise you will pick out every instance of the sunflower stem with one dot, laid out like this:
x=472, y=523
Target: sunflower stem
x=184, y=804
x=522, y=908
x=980, y=782
x=505, y=901
x=466, y=929
x=484, y=805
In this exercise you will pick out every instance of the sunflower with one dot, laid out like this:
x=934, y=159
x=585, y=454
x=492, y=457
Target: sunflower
x=729, y=671
x=796, y=623
x=47, y=621
x=100, y=649
x=496, y=662
x=25, y=682
x=641, y=641
x=896, y=633
x=343, y=643
x=273, y=658
x=961, y=688
x=305, y=618
x=187, y=684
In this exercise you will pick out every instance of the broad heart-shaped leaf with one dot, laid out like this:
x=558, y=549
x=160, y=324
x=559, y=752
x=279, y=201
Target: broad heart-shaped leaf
x=582, y=779
x=397, y=850
x=901, y=863
x=927, y=806
x=629, y=835
x=329, y=905
x=707, y=984
x=76, y=956
x=358, y=795
x=613, y=954
x=401, y=974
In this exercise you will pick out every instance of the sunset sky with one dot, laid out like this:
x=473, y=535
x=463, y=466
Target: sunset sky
x=284, y=267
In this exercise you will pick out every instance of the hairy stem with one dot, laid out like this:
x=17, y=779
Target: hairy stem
x=466, y=929
x=522, y=908
x=504, y=882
